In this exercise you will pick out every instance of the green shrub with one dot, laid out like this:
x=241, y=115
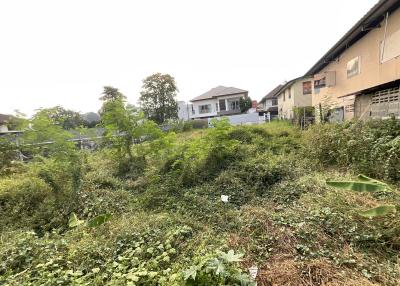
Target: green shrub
x=246, y=134
x=179, y=125
x=371, y=147
x=101, y=179
x=93, y=202
x=7, y=154
x=221, y=269
x=200, y=123
x=262, y=171
x=26, y=202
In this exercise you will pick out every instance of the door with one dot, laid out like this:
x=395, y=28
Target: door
x=222, y=106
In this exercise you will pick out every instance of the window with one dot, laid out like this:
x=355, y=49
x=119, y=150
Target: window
x=222, y=106
x=320, y=83
x=234, y=105
x=349, y=108
x=289, y=94
x=275, y=101
x=284, y=97
x=205, y=108
x=193, y=112
x=353, y=67
x=307, y=87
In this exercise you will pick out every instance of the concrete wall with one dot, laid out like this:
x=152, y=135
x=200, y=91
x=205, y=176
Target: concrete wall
x=243, y=119
x=372, y=71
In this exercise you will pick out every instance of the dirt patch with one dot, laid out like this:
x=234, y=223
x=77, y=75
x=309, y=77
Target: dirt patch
x=318, y=272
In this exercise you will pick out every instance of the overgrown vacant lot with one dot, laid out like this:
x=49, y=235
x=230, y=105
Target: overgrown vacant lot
x=168, y=225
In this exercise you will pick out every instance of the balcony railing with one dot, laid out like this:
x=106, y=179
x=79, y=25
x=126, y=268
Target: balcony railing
x=229, y=112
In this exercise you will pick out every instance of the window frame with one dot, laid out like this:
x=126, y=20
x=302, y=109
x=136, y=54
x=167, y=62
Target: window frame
x=309, y=91
x=203, y=110
x=352, y=74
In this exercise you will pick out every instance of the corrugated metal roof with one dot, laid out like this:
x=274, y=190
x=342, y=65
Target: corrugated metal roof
x=370, y=20
x=219, y=91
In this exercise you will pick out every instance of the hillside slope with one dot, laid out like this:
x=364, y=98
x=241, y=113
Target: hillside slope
x=168, y=225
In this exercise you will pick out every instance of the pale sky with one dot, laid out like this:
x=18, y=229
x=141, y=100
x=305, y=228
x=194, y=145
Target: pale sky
x=62, y=52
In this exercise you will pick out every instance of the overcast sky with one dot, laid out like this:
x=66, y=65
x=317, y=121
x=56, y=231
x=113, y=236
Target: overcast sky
x=62, y=52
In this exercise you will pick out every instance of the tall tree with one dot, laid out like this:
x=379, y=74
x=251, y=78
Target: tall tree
x=124, y=125
x=111, y=93
x=157, y=98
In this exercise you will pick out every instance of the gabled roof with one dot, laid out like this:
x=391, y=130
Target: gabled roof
x=219, y=91
x=369, y=21
x=272, y=94
x=276, y=91
x=4, y=118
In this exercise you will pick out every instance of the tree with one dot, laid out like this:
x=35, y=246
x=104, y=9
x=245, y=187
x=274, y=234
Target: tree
x=46, y=136
x=124, y=125
x=157, y=98
x=111, y=93
x=91, y=119
x=67, y=119
x=245, y=104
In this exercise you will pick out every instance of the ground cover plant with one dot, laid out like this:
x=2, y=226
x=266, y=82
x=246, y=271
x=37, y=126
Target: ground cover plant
x=150, y=212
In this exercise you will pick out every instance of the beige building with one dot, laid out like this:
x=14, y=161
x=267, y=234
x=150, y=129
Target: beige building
x=360, y=75
x=295, y=93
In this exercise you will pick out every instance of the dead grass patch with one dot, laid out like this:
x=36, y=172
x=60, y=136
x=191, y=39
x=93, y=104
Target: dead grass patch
x=319, y=272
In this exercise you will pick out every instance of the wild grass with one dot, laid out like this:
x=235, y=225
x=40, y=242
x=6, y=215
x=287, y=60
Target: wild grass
x=167, y=215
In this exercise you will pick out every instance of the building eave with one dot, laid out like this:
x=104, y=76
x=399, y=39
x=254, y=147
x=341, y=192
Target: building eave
x=369, y=21
x=220, y=95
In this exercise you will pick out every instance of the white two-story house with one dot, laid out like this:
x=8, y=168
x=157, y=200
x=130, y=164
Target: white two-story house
x=218, y=101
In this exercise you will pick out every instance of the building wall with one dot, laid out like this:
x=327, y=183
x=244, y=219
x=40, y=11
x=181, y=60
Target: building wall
x=298, y=99
x=286, y=104
x=183, y=110
x=372, y=71
x=213, y=102
x=196, y=105
x=3, y=128
x=268, y=103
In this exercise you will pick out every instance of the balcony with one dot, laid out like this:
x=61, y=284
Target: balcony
x=229, y=112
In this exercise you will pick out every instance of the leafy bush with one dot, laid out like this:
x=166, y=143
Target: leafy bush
x=178, y=125
x=200, y=123
x=26, y=202
x=252, y=177
x=247, y=134
x=7, y=154
x=218, y=270
x=203, y=158
x=371, y=147
x=99, y=201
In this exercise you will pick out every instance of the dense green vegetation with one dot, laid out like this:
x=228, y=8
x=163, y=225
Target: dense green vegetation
x=168, y=225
